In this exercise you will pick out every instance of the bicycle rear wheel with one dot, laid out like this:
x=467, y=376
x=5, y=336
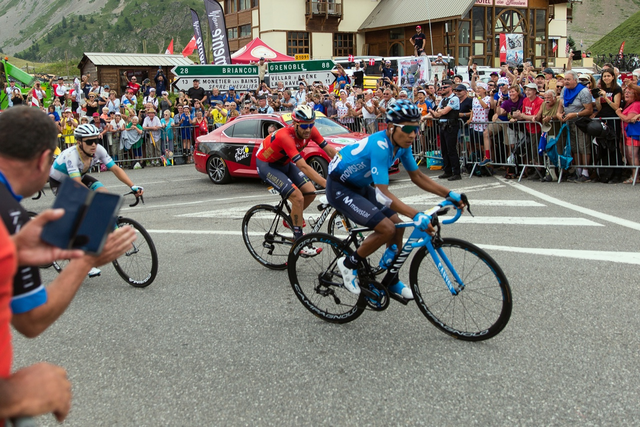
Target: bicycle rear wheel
x=266, y=236
x=480, y=310
x=317, y=282
x=339, y=226
x=139, y=265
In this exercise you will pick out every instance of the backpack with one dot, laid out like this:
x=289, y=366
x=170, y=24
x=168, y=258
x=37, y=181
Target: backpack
x=561, y=160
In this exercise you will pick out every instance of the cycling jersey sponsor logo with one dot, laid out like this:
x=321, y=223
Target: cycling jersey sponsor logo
x=383, y=144
x=349, y=202
x=351, y=169
x=274, y=180
x=374, y=170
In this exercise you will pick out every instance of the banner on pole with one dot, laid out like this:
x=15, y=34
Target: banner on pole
x=197, y=31
x=218, y=29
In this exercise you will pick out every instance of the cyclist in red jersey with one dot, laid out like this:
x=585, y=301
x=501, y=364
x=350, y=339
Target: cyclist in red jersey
x=280, y=163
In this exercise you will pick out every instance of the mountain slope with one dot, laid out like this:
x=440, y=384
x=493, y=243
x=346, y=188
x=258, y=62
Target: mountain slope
x=628, y=31
x=593, y=19
x=65, y=29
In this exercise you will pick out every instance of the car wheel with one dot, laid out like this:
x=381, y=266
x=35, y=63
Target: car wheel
x=320, y=165
x=217, y=170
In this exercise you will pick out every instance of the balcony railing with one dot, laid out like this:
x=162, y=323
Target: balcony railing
x=324, y=8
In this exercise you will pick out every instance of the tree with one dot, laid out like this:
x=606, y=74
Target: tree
x=64, y=22
x=571, y=42
x=91, y=20
x=127, y=24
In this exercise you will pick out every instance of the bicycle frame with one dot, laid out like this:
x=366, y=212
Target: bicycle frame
x=418, y=239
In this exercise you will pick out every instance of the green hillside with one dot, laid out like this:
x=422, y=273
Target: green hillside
x=117, y=29
x=628, y=31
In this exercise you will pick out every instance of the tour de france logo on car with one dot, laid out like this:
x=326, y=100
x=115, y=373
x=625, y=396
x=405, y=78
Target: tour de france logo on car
x=243, y=153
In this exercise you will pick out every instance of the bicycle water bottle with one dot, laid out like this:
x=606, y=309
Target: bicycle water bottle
x=388, y=256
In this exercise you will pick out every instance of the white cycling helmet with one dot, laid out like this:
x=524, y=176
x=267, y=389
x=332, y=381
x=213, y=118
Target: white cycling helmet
x=303, y=114
x=86, y=131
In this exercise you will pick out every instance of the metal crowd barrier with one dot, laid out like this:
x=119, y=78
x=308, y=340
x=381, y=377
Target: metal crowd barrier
x=514, y=146
x=179, y=143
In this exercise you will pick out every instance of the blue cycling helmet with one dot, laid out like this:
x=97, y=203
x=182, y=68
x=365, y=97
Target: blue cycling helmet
x=403, y=111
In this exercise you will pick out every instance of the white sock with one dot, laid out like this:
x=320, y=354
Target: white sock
x=585, y=172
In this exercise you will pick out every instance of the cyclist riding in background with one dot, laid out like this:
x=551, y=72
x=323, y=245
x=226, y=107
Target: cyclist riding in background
x=280, y=164
x=349, y=189
x=77, y=160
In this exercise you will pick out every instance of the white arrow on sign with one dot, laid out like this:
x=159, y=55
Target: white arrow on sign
x=240, y=83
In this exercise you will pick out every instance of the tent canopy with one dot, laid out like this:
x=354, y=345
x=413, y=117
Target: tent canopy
x=255, y=50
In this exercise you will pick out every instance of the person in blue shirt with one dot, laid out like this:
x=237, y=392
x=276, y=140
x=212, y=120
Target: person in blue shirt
x=232, y=96
x=356, y=167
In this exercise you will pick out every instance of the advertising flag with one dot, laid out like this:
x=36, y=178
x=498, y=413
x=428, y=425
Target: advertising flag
x=197, y=30
x=218, y=28
x=621, y=49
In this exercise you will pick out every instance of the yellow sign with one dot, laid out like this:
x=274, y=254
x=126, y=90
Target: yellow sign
x=302, y=56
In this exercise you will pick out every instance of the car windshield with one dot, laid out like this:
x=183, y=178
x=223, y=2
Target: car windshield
x=327, y=127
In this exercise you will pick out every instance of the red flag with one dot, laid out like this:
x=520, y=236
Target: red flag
x=169, y=50
x=621, y=49
x=555, y=46
x=350, y=58
x=190, y=47
x=503, y=47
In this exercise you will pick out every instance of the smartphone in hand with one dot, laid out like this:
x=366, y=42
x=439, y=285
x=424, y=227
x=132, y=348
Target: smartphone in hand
x=88, y=219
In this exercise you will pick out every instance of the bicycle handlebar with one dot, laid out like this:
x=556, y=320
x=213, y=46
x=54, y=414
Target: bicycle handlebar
x=441, y=209
x=139, y=198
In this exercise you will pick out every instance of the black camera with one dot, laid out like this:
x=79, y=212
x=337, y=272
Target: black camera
x=595, y=92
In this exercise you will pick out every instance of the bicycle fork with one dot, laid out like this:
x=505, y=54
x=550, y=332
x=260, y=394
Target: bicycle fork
x=438, y=256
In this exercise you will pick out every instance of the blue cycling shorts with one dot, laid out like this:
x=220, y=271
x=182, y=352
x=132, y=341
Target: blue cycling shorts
x=357, y=204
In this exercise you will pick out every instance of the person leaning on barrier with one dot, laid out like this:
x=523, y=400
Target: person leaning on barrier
x=576, y=102
x=531, y=105
x=447, y=115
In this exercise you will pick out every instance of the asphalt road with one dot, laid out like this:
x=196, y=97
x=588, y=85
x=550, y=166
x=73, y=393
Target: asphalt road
x=219, y=340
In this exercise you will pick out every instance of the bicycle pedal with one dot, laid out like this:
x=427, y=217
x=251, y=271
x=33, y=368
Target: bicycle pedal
x=399, y=298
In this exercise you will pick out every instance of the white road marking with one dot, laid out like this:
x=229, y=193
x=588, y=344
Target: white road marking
x=619, y=257
x=173, y=205
x=510, y=203
x=509, y=220
x=586, y=211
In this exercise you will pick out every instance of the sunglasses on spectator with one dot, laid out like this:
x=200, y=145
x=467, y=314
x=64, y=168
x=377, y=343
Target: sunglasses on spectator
x=445, y=87
x=91, y=141
x=408, y=129
x=307, y=126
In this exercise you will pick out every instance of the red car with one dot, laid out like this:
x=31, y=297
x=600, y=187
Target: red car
x=231, y=149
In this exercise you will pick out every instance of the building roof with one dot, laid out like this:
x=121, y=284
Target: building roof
x=135, y=59
x=400, y=13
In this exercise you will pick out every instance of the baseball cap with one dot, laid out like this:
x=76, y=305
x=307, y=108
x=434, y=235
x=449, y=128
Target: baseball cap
x=387, y=62
x=483, y=85
x=404, y=92
x=107, y=87
x=96, y=115
x=494, y=74
x=531, y=86
x=461, y=88
x=232, y=88
x=368, y=91
x=439, y=54
x=540, y=75
x=68, y=110
x=560, y=75
x=584, y=77
x=548, y=71
x=418, y=27
x=447, y=82
x=152, y=89
x=262, y=58
x=424, y=92
x=118, y=113
x=503, y=81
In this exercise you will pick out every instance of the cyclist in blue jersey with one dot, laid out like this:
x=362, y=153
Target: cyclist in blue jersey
x=357, y=166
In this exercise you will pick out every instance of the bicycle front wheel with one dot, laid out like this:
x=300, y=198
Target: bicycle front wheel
x=482, y=307
x=268, y=235
x=139, y=265
x=317, y=282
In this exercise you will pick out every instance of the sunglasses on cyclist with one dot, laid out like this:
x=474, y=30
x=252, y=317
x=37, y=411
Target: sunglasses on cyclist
x=307, y=126
x=91, y=141
x=407, y=128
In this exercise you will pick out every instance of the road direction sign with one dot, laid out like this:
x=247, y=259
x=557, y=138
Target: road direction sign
x=290, y=73
x=241, y=77
x=222, y=83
